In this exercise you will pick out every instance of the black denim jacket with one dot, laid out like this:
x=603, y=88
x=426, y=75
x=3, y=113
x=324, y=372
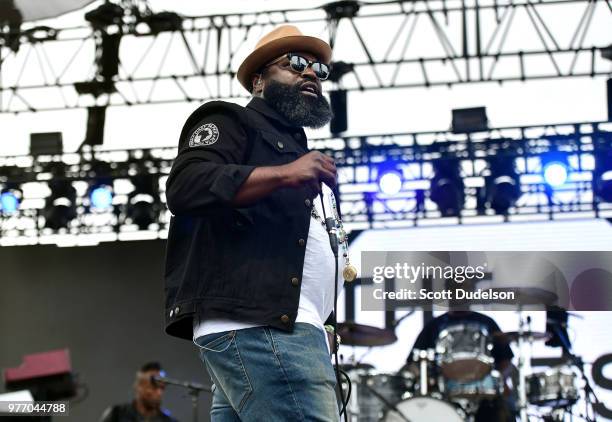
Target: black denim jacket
x=244, y=264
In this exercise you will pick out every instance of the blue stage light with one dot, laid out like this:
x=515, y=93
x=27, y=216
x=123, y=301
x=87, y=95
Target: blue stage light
x=9, y=202
x=390, y=182
x=555, y=173
x=101, y=197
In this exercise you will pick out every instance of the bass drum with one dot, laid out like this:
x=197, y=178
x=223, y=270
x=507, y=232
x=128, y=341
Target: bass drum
x=424, y=409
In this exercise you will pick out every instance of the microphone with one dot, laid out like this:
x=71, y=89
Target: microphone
x=330, y=224
x=156, y=380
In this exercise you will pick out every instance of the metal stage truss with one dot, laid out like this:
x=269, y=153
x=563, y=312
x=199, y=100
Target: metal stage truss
x=166, y=58
x=360, y=161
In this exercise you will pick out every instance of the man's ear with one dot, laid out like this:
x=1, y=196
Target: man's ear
x=257, y=83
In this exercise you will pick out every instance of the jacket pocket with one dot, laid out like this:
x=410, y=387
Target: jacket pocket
x=284, y=147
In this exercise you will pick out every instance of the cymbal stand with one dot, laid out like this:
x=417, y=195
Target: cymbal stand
x=522, y=388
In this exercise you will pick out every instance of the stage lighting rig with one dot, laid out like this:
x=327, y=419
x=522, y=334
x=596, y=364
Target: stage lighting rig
x=105, y=15
x=555, y=168
x=12, y=18
x=602, y=176
x=100, y=192
x=40, y=34
x=163, y=22
x=389, y=179
x=447, y=189
x=107, y=49
x=10, y=198
x=502, y=185
x=342, y=9
x=11, y=193
x=60, y=206
x=144, y=204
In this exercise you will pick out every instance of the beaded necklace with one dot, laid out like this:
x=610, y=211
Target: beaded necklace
x=349, y=273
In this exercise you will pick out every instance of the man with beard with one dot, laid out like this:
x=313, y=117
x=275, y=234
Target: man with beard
x=146, y=406
x=250, y=275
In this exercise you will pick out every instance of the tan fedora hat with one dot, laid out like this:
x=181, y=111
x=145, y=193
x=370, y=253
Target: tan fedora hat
x=281, y=40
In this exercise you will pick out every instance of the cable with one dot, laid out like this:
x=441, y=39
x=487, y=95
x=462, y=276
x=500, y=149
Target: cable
x=333, y=241
x=349, y=385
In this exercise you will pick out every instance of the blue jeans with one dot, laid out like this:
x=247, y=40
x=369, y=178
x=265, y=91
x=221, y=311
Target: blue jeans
x=265, y=374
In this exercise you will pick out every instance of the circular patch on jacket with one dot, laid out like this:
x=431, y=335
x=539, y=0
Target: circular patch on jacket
x=206, y=134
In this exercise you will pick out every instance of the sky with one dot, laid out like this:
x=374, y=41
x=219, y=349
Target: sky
x=385, y=111
x=389, y=110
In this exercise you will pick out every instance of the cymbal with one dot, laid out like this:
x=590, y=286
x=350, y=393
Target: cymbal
x=513, y=336
x=353, y=334
x=354, y=366
x=531, y=295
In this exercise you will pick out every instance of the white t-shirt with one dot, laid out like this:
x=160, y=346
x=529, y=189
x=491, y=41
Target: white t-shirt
x=317, y=291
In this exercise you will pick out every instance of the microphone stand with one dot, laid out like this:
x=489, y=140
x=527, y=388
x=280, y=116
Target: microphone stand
x=193, y=389
x=566, y=346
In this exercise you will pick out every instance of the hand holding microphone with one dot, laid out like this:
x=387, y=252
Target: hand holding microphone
x=310, y=170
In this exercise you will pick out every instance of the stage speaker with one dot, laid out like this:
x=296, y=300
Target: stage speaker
x=609, y=84
x=339, y=122
x=109, y=62
x=96, y=116
x=466, y=120
x=48, y=143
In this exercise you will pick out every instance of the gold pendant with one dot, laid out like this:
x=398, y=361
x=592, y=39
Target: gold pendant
x=349, y=273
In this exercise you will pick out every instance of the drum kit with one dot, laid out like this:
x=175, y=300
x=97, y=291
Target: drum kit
x=451, y=381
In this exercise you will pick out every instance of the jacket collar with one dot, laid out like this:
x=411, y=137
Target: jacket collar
x=261, y=106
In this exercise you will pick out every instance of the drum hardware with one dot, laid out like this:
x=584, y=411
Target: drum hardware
x=522, y=388
x=375, y=392
x=353, y=334
x=390, y=406
x=424, y=362
x=423, y=372
x=512, y=336
x=556, y=323
x=454, y=378
x=491, y=386
x=589, y=394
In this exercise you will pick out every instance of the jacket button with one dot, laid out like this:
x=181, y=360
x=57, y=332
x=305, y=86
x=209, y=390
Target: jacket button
x=280, y=145
x=297, y=135
x=307, y=202
x=177, y=310
x=295, y=281
x=301, y=242
x=285, y=319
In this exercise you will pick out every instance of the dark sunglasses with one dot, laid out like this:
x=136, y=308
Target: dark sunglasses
x=299, y=64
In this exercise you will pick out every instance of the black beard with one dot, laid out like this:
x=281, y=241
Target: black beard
x=298, y=109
